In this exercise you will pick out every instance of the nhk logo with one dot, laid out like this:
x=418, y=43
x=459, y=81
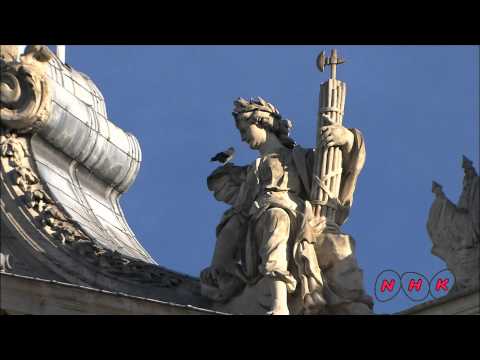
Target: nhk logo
x=414, y=285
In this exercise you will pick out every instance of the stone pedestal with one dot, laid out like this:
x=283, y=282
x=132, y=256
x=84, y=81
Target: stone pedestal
x=336, y=258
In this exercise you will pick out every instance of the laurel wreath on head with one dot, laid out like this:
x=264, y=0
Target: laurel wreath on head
x=258, y=108
x=255, y=104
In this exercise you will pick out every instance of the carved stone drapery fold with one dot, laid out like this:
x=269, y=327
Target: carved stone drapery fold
x=455, y=229
x=24, y=88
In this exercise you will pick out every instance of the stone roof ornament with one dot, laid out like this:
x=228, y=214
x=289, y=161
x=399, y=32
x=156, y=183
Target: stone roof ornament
x=454, y=229
x=25, y=100
x=64, y=167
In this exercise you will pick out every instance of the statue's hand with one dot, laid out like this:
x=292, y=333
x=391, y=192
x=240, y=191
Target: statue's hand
x=210, y=276
x=318, y=224
x=337, y=135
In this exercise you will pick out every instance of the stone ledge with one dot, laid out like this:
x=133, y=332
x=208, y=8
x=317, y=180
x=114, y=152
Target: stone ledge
x=28, y=295
x=465, y=302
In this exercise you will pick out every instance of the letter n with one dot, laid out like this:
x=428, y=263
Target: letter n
x=387, y=285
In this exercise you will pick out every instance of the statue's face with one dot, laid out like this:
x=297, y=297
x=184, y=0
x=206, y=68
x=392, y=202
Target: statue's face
x=251, y=134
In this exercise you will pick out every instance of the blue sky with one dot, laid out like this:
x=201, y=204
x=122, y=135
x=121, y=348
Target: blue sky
x=417, y=107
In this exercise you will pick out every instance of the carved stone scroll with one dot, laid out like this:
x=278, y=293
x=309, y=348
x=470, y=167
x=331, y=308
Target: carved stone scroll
x=24, y=88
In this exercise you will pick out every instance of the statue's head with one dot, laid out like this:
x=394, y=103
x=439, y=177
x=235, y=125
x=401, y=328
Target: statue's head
x=257, y=119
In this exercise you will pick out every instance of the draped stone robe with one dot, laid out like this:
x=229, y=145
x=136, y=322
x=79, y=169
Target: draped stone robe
x=455, y=232
x=254, y=189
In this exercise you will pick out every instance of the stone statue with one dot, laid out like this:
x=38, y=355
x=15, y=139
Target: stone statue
x=455, y=229
x=273, y=255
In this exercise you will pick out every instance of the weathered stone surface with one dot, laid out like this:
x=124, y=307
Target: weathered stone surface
x=25, y=99
x=462, y=302
x=64, y=166
x=455, y=229
x=8, y=53
x=23, y=295
x=279, y=248
x=273, y=254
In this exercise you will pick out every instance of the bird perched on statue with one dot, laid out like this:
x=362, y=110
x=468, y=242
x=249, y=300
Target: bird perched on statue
x=224, y=156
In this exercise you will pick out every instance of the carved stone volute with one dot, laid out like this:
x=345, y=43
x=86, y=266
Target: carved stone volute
x=24, y=87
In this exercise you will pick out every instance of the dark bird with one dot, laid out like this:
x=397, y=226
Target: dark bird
x=224, y=156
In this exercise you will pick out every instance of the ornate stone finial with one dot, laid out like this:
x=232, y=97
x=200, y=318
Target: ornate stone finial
x=333, y=61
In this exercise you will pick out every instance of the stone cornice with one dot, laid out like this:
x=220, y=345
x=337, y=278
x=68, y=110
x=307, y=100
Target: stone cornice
x=29, y=295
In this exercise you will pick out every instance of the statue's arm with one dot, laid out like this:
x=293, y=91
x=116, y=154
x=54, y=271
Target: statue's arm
x=352, y=144
x=353, y=160
x=225, y=182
